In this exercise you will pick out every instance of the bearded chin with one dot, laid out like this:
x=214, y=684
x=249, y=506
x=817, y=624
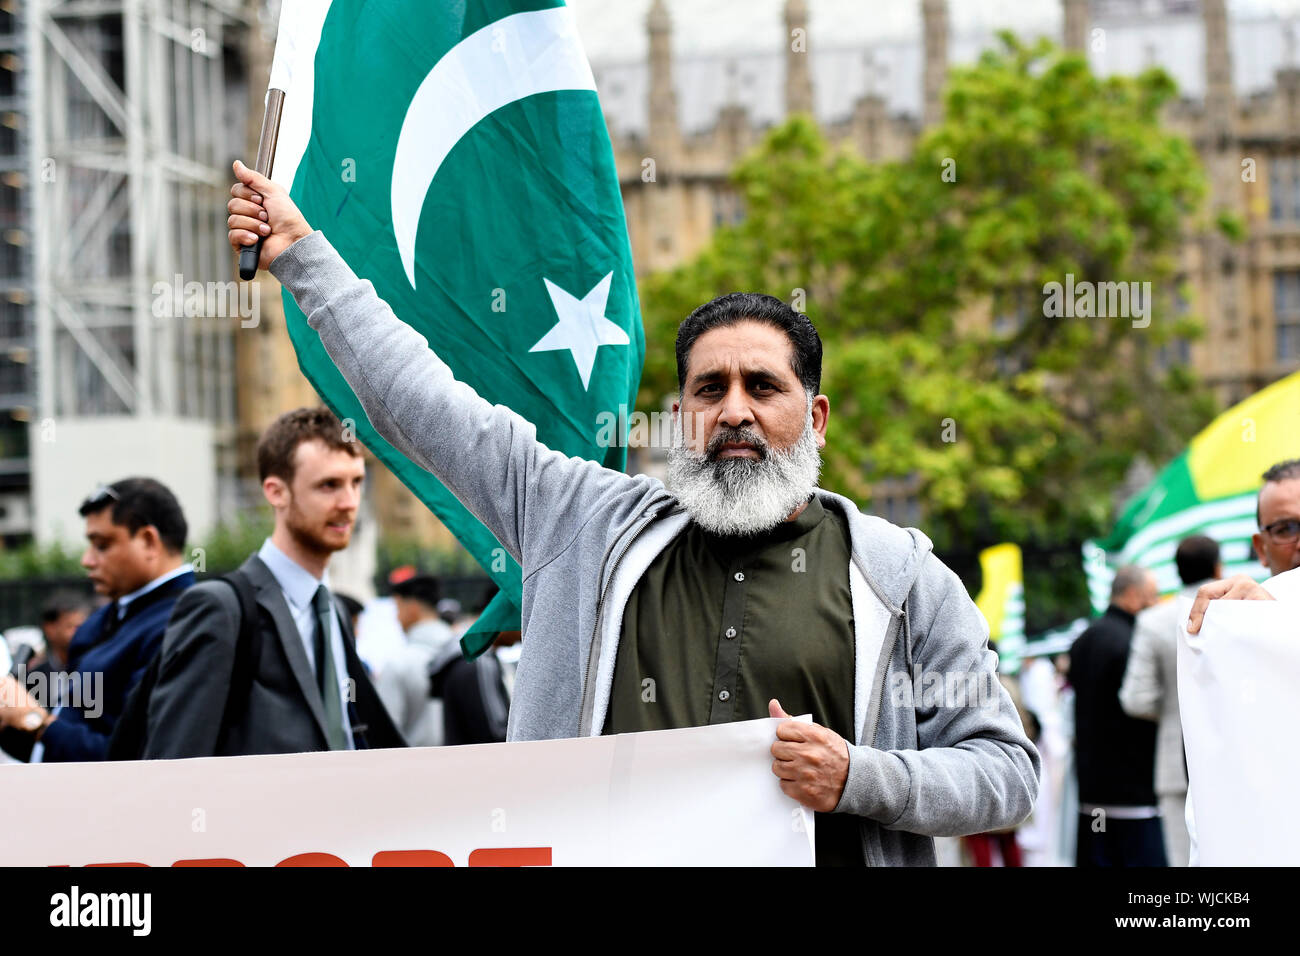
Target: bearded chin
x=743, y=496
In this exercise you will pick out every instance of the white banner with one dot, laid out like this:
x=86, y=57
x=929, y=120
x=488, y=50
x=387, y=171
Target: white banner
x=1237, y=683
x=700, y=796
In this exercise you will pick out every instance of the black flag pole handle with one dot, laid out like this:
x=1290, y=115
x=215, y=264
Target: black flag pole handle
x=266, y=142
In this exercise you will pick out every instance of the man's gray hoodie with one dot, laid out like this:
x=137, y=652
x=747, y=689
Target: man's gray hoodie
x=940, y=750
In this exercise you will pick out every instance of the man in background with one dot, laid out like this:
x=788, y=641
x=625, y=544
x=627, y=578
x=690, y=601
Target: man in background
x=136, y=533
x=1119, y=821
x=403, y=684
x=1276, y=543
x=1150, y=688
x=61, y=615
x=297, y=684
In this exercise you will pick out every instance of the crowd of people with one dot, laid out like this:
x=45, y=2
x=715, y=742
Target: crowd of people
x=265, y=660
x=261, y=660
x=1105, y=714
x=647, y=605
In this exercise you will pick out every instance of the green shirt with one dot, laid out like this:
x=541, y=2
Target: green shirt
x=717, y=626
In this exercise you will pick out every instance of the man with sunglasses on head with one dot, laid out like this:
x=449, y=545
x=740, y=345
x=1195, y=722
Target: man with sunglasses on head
x=135, y=531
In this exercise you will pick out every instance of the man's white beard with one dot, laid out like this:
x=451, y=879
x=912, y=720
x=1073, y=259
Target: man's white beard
x=743, y=496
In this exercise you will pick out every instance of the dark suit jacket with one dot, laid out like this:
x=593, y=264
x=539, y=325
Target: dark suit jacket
x=283, y=713
x=1115, y=754
x=106, y=670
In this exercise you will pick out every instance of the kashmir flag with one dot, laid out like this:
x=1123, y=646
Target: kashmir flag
x=1002, y=602
x=456, y=155
x=1209, y=489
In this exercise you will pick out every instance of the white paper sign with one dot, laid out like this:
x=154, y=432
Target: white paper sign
x=704, y=795
x=1239, y=695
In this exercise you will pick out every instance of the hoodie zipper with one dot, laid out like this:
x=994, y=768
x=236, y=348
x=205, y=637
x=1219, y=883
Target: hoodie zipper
x=600, y=603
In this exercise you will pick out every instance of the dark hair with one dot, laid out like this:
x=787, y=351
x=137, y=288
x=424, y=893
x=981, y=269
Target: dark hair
x=424, y=588
x=354, y=607
x=60, y=603
x=1197, y=558
x=727, y=310
x=137, y=503
x=1282, y=471
x=281, y=439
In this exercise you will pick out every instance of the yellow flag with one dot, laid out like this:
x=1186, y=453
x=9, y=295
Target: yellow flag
x=1002, y=600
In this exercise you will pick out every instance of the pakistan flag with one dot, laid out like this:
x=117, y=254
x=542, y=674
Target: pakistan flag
x=1211, y=488
x=455, y=154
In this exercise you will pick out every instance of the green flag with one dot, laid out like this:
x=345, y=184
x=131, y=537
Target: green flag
x=456, y=156
x=1210, y=489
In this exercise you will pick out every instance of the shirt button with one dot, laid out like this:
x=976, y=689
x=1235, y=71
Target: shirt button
x=731, y=632
x=740, y=575
x=724, y=695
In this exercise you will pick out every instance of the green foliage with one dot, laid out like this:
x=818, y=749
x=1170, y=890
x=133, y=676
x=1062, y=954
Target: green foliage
x=34, y=561
x=926, y=281
x=229, y=544
x=222, y=549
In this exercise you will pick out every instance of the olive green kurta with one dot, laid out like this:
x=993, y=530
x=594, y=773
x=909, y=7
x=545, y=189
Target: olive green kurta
x=717, y=626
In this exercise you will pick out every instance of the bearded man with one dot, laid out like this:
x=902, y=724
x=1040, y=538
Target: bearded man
x=267, y=663
x=739, y=590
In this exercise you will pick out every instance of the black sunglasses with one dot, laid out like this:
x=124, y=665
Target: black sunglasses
x=1288, y=529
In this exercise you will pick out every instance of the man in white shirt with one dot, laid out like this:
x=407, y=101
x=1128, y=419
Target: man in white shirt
x=1150, y=687
x=403, y=684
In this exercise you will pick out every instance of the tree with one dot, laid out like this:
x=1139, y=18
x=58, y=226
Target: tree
x=928, y=280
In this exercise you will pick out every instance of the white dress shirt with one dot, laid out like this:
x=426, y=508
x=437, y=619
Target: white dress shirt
x=299, y=587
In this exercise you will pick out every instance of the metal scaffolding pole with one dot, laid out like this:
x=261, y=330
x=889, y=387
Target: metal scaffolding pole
x=129, y=171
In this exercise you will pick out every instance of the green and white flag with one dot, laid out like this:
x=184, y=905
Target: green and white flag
x=1210, y=489
x=456, y=156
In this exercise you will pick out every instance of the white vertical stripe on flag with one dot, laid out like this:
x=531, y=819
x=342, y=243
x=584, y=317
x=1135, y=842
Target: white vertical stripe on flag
x=293, y=69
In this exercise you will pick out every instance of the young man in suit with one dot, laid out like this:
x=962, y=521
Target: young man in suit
x=304, y=688
x=136, y=532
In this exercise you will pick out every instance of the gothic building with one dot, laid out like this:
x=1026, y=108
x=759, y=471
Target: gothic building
x=1240, y=107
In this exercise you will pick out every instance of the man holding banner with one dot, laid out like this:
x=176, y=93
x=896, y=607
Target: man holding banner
x=1276, y=544
x=743, y=586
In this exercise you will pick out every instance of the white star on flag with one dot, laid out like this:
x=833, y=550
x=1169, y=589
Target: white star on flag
x=583, y=327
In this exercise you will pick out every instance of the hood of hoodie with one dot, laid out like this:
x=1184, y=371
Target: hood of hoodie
x=890, y=557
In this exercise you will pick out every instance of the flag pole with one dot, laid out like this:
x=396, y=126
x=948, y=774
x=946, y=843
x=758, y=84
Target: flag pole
x=266, y=143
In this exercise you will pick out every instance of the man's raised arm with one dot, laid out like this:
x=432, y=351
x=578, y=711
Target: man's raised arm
x=487, y=455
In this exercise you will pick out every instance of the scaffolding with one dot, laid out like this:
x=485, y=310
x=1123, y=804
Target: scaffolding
x=129, y=111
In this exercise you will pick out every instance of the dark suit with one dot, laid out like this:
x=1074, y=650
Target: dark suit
x=1115, y=754
x=108, y=664
x=282, y=712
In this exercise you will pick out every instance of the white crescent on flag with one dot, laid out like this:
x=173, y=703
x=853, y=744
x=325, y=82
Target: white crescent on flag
x=513, y=58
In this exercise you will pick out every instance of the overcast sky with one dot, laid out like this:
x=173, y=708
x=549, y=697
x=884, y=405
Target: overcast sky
x=614, y=30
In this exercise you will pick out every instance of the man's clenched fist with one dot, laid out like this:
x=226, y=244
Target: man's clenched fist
x=261, y=208
x=811, y=761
